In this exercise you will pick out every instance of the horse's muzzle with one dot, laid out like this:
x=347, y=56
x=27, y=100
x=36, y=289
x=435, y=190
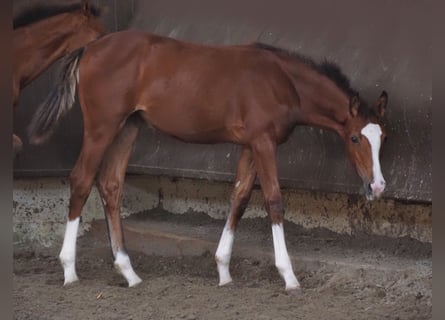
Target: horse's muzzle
x=374, y=190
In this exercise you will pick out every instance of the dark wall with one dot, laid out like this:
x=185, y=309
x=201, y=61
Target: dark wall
x=380, y=45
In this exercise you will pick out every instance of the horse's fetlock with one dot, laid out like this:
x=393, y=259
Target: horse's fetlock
x=281, y=268
x=66, y=260
x=222, y=258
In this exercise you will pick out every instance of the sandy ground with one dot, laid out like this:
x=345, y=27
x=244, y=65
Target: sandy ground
x=342, y=277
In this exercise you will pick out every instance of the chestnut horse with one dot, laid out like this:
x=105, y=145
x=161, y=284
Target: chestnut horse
x=43, y=34
x=252, y=95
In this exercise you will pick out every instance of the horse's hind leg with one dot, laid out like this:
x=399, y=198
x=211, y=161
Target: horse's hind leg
x=245, y=177
x=264, y=154
x=110, y=185
x=82, y=177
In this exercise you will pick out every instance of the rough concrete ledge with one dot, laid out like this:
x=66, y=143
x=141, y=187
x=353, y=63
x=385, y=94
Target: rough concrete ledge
x=40, y=207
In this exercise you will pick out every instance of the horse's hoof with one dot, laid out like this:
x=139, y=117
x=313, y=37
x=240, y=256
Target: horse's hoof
x=70, y=280
x=294, y=291
x=134, y=282
x=225, y=283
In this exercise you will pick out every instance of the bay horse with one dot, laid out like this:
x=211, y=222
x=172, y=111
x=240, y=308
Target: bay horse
x=42, y=34
x=252, y=95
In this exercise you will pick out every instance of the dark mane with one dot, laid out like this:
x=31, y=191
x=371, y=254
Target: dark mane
x=42, y=11
x=327, y=68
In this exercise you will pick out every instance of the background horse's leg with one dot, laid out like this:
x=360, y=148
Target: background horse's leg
x=82, y=177
x=17, y=145
x=245, y=177
x=110, y=185
x=264, y=155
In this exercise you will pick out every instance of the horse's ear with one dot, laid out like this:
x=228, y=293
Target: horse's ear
x=354, y=104
x=382, y=102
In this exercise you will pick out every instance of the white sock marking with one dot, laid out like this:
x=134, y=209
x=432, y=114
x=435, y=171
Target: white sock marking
x=223, y=254
x=373, y=132
x=282, y=261
x=123, y=265
x=68, y=253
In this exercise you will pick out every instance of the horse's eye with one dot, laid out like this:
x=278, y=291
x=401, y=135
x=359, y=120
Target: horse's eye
x=354, y=139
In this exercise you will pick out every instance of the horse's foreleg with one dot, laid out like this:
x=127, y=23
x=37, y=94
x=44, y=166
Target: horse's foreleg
x=240, y=197
x=110, y=185
x=81, y=180
x=264, y=153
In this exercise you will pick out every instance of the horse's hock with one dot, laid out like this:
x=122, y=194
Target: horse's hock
x=320, y=187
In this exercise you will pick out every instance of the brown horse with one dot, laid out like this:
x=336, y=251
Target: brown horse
x=43, y=34
x=252, y=95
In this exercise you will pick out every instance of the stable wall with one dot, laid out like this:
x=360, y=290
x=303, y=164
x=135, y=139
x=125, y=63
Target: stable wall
x=380, y=45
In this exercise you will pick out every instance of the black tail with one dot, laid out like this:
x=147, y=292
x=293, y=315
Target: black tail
x=59, y=101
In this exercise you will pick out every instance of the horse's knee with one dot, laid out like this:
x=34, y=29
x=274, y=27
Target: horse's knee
x=109, y=191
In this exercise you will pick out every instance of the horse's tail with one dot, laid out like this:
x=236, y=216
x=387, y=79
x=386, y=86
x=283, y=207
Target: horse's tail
x=58, y=102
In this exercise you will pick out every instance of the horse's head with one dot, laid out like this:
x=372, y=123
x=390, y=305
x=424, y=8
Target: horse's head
x=88, y=25
x=363, y=135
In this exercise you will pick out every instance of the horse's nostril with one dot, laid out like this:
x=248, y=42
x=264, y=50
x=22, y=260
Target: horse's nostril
x=381, y=184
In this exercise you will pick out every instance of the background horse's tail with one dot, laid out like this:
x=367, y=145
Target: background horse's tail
x=59, y=101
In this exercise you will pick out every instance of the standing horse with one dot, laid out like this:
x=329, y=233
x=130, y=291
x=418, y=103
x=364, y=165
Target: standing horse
x=252, y=95
x=43, y=34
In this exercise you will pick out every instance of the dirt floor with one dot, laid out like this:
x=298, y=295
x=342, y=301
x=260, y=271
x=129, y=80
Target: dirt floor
x=343, y=277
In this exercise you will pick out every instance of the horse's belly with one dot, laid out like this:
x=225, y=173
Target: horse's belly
x=195, y=136
x=188, y=126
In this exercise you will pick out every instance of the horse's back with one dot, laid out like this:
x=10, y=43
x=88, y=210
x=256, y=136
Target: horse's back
x=195, y=92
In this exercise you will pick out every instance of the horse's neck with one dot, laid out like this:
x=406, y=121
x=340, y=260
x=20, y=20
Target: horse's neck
x=321, y=101
x=38, y=45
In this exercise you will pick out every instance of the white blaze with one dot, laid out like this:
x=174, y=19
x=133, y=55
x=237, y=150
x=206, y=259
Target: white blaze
x=373, y=133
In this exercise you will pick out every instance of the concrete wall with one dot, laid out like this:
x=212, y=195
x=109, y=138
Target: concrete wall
x=41, y=205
